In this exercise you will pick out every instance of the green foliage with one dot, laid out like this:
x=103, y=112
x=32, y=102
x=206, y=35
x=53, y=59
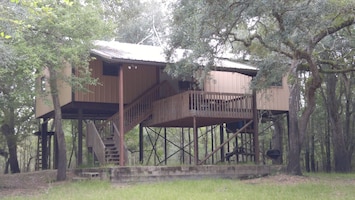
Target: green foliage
x=139, y=22
x=268, y=33
x=17, y=77
x=63, y=33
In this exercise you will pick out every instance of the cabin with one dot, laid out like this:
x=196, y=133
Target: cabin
x=134, y=90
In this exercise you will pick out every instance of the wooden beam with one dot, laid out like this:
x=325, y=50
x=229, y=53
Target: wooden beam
x=195, y=138
x=80, y=138
x=44, y=144
x=255, y=129
x=225, y=142
x=141, y=150
x=165, y=148
x=221, y=137
x=121, y=118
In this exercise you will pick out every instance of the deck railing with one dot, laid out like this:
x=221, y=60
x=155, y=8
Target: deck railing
x=202, y=104
x=219, y=104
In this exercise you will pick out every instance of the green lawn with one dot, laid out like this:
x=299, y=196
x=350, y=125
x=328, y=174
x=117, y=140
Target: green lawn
x=319, y=186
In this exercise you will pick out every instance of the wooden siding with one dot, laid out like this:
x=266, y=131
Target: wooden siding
x=141, y=108
x=104, y=92
x=273, y=98
x=228, y=82
x=137, y=80
x=202, y=104
x=44, y=103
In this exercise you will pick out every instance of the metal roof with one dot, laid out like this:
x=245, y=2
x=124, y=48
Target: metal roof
x=114, y=51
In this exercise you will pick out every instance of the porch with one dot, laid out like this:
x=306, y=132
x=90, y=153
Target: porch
x=208, y=108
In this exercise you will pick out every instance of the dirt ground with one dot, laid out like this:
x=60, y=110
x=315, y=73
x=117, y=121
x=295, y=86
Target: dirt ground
x=27, y=183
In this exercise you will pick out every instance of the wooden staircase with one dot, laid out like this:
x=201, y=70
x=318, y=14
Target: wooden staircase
x=104, y=138
x=112, y=155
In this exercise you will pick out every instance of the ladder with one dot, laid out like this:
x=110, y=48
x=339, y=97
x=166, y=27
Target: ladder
x=38, y=164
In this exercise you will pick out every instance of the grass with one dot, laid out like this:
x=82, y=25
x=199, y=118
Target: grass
x=318, y=186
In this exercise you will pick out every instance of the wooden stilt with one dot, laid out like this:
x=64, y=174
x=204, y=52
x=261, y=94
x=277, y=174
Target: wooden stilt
x=121, y=118
x=80, y=138
x=195, y=138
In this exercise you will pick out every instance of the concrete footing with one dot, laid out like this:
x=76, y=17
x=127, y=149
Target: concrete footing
x=160, y=173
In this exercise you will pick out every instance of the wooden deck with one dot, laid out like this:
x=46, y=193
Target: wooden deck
x=209, y=108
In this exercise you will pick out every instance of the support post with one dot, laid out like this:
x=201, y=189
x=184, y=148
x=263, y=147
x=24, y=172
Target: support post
x=49, y=150
x=182, y=144
x=55, y=157
x=255, y=129
x=121, y=118
x=212, y=144
x=189, y=137
x=195, y=138
x=141, y=144
x=44, y=134
x=221, y=139
x=80, y=138
x=165, y=148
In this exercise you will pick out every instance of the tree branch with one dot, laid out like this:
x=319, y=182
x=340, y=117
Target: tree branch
x=336, y=71
x=330, y=30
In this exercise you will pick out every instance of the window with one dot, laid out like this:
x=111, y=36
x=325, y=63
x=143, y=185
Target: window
x=184, y=85
x=110, y=69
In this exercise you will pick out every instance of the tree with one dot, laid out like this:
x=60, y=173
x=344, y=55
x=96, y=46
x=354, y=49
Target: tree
x=61, y=34
x=338, y=56
x=273, y=35
x=16, y=74
x=138, y=22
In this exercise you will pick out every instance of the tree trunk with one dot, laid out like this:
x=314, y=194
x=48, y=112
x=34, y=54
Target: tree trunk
x=312, y=156
x=342, y=160
x=277, y=139
x=11, y=140
x=307, y=156
x=326, y=140
x=328, y=167
x=62, y=152
x=294, y=165
x=298, y=125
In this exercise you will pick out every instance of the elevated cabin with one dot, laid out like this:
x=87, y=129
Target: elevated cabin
x=134, y=89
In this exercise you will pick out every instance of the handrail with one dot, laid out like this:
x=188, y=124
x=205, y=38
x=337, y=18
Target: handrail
x=201, y=104
x=213, y=102
x=94, y=140
x=141, y=108
x=134, y=113
x=216, y=101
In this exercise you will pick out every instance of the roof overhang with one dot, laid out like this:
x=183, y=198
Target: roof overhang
x=117, y=52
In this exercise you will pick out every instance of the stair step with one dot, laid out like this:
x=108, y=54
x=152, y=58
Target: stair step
x=109, y=141
x=112, y=157
x=111, y=150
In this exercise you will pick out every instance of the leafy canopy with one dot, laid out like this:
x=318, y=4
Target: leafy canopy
x=62, y=32
x=268, y=34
